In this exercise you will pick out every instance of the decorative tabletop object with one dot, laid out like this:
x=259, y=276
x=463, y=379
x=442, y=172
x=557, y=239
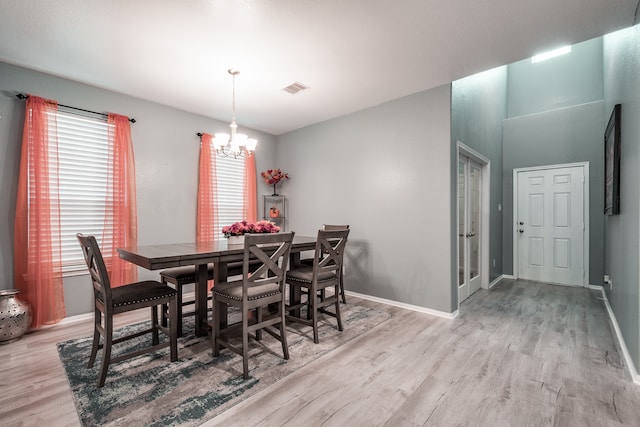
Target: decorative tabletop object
x=236, y=231
x=273, y=177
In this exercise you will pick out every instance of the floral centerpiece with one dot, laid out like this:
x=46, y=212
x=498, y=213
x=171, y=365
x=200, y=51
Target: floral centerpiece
x=273, y=177
x=235, y=231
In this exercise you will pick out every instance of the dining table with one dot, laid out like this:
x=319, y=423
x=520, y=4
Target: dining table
x=219, y=253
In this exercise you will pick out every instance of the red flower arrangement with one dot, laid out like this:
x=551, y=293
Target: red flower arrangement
x=272, y=177
x=244, y=227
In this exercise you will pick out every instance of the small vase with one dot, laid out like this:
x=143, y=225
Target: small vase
x=274, y=212
x=15, y=316
x=236, y=240
x=275, y=193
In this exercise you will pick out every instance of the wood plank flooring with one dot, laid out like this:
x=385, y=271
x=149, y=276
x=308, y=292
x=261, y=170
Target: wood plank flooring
x=521, y=354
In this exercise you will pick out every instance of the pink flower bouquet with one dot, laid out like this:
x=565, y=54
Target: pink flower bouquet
x=244, y=227
x=273, y=176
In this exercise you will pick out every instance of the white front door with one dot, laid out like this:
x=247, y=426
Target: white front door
x=469, y=226
x=550, y=225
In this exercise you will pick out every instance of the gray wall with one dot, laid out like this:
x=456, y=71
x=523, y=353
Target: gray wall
x=548, y=135
x=386, y=172
x=568, y=135
x=622, y=86
x=571, y=79
x=166, y=151
x=478, y=107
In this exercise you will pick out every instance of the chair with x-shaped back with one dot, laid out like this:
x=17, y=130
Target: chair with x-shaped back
x=110, y=301
x=260, y=295
x=322, y=274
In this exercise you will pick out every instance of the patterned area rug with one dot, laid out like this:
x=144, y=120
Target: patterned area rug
x=149, y=390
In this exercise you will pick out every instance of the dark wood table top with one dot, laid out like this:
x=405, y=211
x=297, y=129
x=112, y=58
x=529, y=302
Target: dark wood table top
x=155, y=257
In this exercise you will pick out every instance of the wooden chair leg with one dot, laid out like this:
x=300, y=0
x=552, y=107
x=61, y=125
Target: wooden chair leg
x=106, y=350
x=314, y=316
x=165, y=315
x=173, y=328
x=96, y=338
x=258, y=315
x=344, y=299
x=155, y=339
x=215, y=333
x=338, y=315
x=179, y=310
x=165, y=311
x=245, y=346
x=283, y=332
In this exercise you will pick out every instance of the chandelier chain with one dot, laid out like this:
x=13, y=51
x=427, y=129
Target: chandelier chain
x=233, y=102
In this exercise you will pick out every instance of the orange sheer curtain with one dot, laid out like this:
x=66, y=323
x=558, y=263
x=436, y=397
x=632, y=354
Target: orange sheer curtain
x=37, y=253
x=207, y=226
x=250, y=199
x=120, y=223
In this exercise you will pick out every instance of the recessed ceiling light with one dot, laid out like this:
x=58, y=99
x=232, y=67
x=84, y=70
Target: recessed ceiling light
x=551, y=54
x=295, y=87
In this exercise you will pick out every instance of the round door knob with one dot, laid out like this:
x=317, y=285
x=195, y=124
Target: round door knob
x=521, y=230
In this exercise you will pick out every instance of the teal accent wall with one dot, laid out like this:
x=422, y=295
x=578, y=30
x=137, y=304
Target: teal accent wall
x=478, y=107
x=622, y=254
x=568, y=135
x=555, y=113
x=563, y=81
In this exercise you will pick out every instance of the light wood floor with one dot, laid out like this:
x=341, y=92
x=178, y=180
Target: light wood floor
x=521, y=354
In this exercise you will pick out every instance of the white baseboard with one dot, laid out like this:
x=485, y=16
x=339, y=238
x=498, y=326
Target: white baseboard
x=404, y=305
x=625, y=352
x=508, y=276
x=496, y=280
x=77, y=318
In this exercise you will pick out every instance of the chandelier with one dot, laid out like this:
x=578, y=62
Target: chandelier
x=236, y=144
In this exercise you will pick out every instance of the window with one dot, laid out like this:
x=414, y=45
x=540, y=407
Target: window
x=230, y=180
x=82, y=162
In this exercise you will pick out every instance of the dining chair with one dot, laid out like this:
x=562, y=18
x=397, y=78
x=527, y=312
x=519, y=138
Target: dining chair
x=178, y=277
x=309, y=261
x=259, y=296
x=110, y=301
x=322, y=274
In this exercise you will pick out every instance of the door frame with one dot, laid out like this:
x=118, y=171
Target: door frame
x=585, y=208
x=485, y=165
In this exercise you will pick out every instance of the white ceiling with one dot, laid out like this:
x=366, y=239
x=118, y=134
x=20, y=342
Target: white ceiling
x=353, y=54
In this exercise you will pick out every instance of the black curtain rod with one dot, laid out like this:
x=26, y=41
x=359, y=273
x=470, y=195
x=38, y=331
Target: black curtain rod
x=23, y=96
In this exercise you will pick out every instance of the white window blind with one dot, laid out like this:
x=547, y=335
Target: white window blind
x=82, y=167
x=230, y=175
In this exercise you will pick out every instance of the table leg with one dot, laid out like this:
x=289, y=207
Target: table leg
x=220, y=274
x=295, y=296
x=202, y=274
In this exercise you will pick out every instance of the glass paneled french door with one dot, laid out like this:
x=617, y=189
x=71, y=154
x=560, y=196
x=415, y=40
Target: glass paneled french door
x=469, y=226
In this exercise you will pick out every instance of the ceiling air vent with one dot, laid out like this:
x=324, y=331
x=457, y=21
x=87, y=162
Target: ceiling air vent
x=295, y=87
